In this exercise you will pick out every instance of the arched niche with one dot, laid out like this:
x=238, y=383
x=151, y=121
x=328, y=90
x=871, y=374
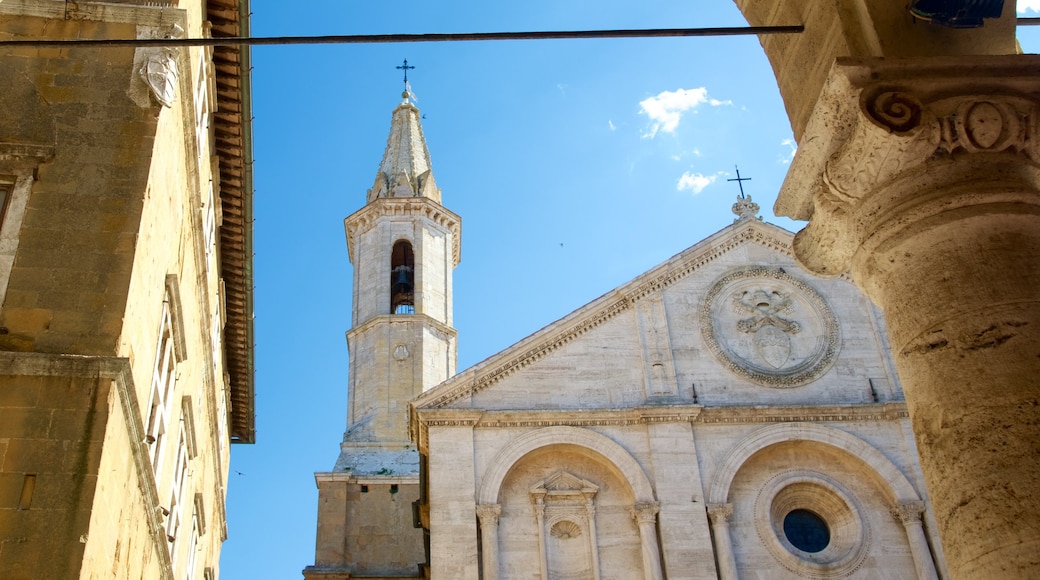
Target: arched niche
x=590, y=441
x=894, y=483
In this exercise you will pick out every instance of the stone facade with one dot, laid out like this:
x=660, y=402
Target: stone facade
x=670, y=428
x=123, y=378
x=727, y=414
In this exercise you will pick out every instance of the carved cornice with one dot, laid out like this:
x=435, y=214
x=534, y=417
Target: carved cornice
x=565, y=330
x=893, y=142
x=892, y=411
x=154, y=13
x=384, y=319
x=424, y=418
x=365, y=218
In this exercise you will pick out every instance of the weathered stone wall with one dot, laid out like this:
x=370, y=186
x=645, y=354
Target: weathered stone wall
x=119, y=225
x=51, y=434
x=365, y=529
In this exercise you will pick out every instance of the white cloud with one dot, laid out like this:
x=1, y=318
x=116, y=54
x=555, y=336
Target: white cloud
x=1028, y=6
x=666, y=109
x=694, y=182
x=611, y=125
x=792, y=147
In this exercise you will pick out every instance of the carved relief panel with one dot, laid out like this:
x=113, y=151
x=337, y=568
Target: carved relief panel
x=770, y=327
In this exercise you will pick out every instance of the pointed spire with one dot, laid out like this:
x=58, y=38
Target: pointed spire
x=405, y=170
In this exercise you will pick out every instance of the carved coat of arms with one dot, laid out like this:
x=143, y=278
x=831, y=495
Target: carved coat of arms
x=770, y=332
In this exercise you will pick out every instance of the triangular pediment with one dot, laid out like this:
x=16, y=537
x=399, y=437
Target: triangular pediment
x=564, y=482
x=553, y=339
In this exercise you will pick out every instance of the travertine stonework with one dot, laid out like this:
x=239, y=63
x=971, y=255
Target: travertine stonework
x=673, y=424
x=917, y=171
x=118, y=359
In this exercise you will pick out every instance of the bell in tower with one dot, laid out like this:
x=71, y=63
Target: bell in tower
x=402, y=279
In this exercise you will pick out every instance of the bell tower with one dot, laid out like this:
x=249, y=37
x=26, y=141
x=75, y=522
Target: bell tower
x=403, y=245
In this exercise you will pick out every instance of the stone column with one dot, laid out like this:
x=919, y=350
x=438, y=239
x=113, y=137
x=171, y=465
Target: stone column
x=909, y=513
x=590, y=512
x=645, y=515
x=543, y=561
x=488, y=515
x=921, y=177
x=719, y=514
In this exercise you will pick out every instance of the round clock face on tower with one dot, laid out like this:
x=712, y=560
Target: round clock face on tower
x=770, y=327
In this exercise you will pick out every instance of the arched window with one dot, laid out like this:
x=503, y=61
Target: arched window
x=402, y=279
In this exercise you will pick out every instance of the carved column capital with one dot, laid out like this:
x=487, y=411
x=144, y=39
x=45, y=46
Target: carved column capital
x=489, y=513
x=646, y=512
x=909, y=512
x=719, y=513
x=891, y=144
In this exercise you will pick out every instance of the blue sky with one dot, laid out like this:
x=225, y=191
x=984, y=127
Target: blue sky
x=576, y=165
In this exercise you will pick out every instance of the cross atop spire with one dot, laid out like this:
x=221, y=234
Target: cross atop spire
x=407, y=68
x=740, y=180
x=744, y=208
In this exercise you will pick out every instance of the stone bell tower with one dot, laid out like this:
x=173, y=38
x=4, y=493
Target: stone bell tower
x=404, y=245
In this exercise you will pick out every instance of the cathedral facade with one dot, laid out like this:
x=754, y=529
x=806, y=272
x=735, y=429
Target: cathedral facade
x=724, y=415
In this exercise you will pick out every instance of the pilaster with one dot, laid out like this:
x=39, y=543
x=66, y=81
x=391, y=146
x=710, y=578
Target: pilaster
x=685, y=538
x=921, y=177
x=452, y=489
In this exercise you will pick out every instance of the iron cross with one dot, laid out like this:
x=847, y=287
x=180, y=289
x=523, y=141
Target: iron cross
x=406, y=68
x=740, y=180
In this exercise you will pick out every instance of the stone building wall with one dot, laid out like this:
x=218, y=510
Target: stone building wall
x=113, y=384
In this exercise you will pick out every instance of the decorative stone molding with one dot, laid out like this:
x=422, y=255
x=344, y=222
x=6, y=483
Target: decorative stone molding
x=745, y=209
x=909, y=512
x=770, y=327
x=730, y=415
x=365, y=218
x=489, y=514
x=600, y=445
x=896, y=485
x=605, y=308
x=646, y=512
x=886, y=135
x=828, y=499
x=719, y=513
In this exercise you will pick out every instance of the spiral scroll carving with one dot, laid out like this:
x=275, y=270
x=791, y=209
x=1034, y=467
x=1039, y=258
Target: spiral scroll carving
x=898, y=112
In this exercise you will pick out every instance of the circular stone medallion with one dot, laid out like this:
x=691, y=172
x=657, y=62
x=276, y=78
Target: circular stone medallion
x=769, y=327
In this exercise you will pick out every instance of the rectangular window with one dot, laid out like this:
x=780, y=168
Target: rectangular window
x=5, y=196
x=180, y=474
x=193, y=545
x=163, y=378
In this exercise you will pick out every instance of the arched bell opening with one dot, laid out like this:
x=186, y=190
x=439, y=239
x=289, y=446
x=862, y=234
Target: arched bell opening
x=402, y=279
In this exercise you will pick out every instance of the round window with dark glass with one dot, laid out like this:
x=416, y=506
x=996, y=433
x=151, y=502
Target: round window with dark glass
x=806, y=531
